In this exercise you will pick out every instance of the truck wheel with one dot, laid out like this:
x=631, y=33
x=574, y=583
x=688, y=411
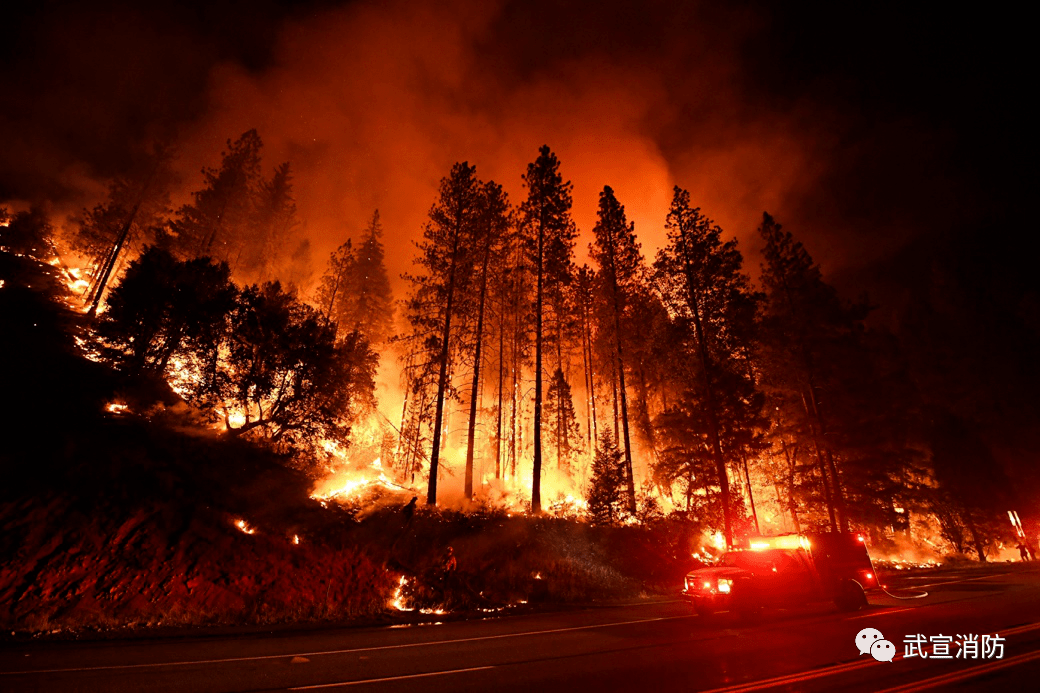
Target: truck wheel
x=850, y=596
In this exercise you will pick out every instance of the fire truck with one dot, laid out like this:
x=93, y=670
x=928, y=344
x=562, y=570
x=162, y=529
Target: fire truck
x=783, y=571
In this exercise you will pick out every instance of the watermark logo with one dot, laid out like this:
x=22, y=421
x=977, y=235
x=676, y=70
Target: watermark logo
x=871, y=641
x=866, y=638
x=969, y=646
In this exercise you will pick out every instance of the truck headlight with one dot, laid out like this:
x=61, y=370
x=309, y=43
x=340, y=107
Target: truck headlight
x=725, y=585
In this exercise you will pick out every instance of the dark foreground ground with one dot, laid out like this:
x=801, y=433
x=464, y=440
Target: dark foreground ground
x=649, y=646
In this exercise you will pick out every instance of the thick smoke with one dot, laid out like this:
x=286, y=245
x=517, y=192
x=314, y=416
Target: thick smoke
x=836, y=122
x=374, y=102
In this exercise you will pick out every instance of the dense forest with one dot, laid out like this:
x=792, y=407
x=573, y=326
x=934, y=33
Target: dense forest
x=541, y=367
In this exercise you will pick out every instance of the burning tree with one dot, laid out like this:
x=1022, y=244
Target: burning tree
x=269, y=363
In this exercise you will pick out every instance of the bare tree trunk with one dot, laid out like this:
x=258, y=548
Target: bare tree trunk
x=442, y=377
x=536, y=478
x=821, y=463
x=792, y=503
x=106, y=272
x=501, y=373
x=587, y=368
x=751, y=496
x=976, y=538
x=476, y=370
x=629, y=480
x=614, y=393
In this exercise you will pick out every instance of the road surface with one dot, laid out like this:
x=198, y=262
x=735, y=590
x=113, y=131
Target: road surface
x=648, y=646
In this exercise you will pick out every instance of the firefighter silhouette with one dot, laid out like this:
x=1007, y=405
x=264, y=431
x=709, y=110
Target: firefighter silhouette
x=409, y=510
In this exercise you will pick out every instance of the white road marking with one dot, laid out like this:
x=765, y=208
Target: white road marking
x=964, y=675
x=954, y=582
x=290, y=655
x=343, y=684
x=886, y=612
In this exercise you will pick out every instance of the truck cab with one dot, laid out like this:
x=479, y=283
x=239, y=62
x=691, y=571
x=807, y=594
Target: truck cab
x=783, y=571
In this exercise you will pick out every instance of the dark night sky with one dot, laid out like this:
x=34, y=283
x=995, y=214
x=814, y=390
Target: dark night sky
x=873, y=133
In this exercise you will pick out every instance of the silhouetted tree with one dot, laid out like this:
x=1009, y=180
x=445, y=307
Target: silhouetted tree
x=446, y=262
x=700, y=277
x=621, y=267
x=563, y=431
x=804, y=323
x=216, y=223
x=546, y=218
x=286, y=376
x=606, y=497
x=138, y=203
x=490, y=227
x=166, y=307
x=336, y=283
x=372, y=311
x=270, y=227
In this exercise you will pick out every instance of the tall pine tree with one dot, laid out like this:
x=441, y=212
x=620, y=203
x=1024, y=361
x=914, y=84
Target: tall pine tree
x=545, y=217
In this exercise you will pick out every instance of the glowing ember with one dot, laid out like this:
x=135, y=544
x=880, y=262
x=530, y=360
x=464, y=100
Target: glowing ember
x=117, y=408
x=241, y=524
x=296, y=539
x=397, y=601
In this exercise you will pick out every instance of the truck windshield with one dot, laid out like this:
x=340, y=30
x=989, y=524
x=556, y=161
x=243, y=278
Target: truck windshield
x=751, y=560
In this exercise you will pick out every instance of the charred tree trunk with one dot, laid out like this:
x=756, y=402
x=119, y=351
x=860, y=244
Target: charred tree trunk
x=751, y=495
x=501, y=374
x=586, y=362
x=442, y=376
x=629, y=479
x=792, y=503
x=536, y=478
x=476, y=371
x=106, y=271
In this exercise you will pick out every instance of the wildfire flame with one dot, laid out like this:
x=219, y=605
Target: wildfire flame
x=355, y=485
x=117, y=408
x=397, y=601
x=241, y=524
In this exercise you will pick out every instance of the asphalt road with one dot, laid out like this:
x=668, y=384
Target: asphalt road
x=656, y=646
